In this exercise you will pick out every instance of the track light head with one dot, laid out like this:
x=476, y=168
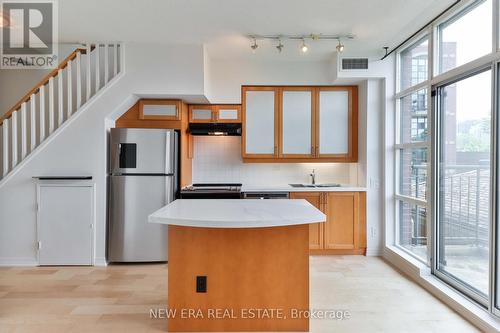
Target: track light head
x=280, y=46
x=340, y=47
x=304, y=47
x=254, y=46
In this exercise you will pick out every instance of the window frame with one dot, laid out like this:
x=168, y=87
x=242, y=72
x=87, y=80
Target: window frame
x=400, y=94
x=409, y=45
x=398, y=147
x=449, y=18
x=434, y=79
x=459, y=285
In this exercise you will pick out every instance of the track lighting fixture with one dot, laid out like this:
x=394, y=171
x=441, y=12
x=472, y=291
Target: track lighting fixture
x=304, y=47
x=340, y=47
x=280, y=46
x=254, y=46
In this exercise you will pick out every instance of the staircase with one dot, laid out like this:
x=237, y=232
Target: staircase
x=57, y=97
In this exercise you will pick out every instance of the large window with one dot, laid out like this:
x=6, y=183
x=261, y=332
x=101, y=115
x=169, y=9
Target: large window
x=447, y=141
x=413, y=64
x=465, y=37
x=464, y=177
x=412, y=152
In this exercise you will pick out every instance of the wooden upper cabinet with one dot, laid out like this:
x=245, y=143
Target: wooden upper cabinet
x=297, y=122
x=159, y=109
x=337, y=123
x=228, y=113
x=315, y=229
x=203, y=113
x=260, y=122
x=214, y=113
x=300, y=124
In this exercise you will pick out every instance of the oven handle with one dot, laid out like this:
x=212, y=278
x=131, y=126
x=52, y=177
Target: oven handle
x=266, y=195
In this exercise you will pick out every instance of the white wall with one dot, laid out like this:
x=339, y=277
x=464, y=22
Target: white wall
x=15, y=83
x=375, y=103
x=80, y=146
x=374, y=165
x=227, y=77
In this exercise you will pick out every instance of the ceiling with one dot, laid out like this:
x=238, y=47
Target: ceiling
x=222, y=24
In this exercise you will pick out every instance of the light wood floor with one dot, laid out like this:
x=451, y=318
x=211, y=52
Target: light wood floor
x=118, y=299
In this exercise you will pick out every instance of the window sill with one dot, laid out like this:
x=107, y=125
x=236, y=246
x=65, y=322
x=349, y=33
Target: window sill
x=421, y=274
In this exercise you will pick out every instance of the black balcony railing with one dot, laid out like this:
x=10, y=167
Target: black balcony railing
x=464, y=206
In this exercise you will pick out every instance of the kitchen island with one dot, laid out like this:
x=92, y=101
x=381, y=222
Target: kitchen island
x=238, y=265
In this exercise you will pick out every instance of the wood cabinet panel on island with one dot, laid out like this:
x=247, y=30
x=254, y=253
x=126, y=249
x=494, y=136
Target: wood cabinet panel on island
x=300, y=124
x=344, y=231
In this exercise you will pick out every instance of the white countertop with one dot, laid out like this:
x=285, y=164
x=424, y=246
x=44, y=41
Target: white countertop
x=234, y=213
x=288, y=188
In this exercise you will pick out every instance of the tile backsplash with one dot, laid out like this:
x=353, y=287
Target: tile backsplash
x=218, y=159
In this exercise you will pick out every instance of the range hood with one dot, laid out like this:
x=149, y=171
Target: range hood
x=215, y=129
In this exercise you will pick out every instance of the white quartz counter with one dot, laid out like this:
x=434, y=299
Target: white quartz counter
x=234, y=213
x=288, y=188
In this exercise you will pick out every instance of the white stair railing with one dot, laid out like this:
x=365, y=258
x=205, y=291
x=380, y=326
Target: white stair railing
x=55, y=99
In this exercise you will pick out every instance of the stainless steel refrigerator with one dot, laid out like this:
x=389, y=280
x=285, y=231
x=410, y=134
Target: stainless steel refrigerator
x=143, y=178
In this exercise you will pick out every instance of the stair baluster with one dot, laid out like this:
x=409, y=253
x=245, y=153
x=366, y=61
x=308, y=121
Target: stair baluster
x=30, y=115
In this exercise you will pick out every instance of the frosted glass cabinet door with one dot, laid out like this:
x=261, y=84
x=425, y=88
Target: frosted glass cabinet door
x=260, y=123
x=333, y=122
x=201, y=114
x=228, y=113
x=158, y=109
x=296, y=123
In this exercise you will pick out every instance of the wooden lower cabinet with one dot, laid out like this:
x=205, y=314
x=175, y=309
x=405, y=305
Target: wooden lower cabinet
x=316, y=229
x=344, y=231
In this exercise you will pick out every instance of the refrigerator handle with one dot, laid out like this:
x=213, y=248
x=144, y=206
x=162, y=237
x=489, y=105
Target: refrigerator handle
x=169, y=189
x=118, y=158
x=169, y=161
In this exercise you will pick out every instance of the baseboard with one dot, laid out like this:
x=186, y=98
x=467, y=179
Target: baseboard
x=405, y=263
x=334, y=252
x=377, y=252
x=100, y=261
x=18, y=261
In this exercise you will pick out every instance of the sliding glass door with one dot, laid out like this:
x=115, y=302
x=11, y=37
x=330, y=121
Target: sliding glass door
x=464, y=178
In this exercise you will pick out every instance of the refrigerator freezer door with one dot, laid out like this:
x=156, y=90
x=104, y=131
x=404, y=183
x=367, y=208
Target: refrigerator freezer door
x=131, y=237
x=142, y=151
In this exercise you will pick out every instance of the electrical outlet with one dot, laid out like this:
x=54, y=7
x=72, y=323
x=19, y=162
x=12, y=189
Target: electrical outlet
x=201, y=284
x=372, y=232
x=374, y=183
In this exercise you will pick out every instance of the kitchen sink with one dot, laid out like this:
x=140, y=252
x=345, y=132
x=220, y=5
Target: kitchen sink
x=314, y=185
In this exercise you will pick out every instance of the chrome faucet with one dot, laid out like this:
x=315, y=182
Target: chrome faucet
x=313, y=177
